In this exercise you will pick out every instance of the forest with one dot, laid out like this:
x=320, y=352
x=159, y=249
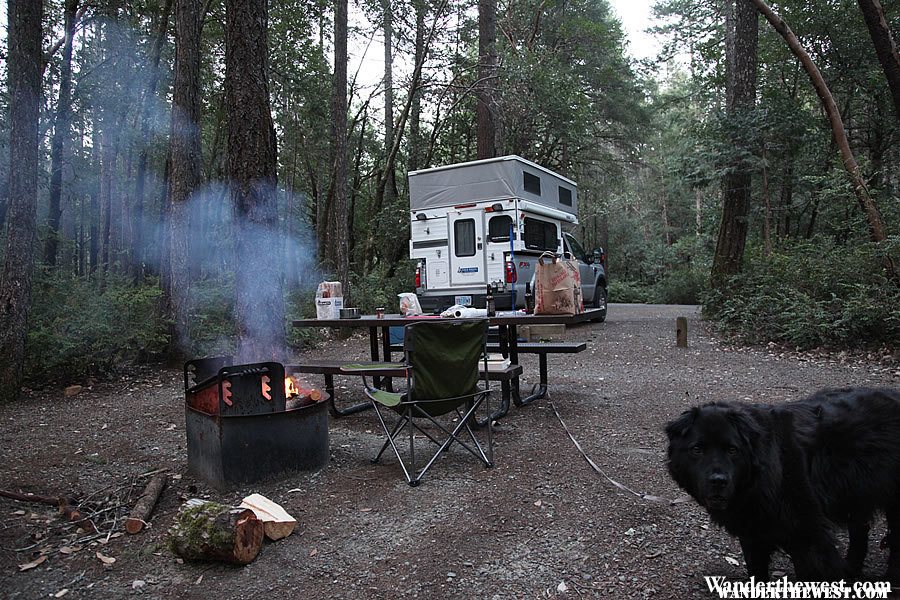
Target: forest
x=176, y=176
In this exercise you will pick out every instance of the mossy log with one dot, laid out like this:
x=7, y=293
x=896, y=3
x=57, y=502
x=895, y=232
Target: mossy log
x=212, y=531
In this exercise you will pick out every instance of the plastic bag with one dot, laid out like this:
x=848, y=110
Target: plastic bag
x=409, y=305
x=457, y=311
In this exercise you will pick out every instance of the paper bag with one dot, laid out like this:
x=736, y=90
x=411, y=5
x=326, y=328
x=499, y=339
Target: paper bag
x=557, y=286
x=329, y=300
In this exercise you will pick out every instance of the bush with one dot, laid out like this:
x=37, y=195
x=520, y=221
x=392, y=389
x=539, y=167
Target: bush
x=77, y=329
x=813, y=294
x=681, y=286
x=629, y=292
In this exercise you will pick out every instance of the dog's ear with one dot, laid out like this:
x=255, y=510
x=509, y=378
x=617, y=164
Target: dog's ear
x=680, y=426
x=746, y=426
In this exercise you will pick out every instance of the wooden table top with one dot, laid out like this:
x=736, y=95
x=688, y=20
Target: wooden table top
x=501, y=318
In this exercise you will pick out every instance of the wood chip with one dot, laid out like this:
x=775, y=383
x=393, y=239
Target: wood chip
x=106, y=560
x=61, y=593
x=30, y=565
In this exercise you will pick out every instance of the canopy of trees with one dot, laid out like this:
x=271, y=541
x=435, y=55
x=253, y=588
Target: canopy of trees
x=163, y=132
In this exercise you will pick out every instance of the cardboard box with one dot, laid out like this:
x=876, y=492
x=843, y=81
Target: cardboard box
x=329, y=308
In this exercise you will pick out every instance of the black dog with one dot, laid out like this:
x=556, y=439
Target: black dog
x=779, y=476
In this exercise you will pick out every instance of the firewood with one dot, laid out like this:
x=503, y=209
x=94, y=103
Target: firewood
x=278, y=523
x=213, y=531
x=74, y=514
x=141, y=511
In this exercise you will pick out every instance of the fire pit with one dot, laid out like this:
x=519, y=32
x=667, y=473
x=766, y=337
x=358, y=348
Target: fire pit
x=242, y=426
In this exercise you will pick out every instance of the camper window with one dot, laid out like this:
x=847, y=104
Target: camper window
x=532, y=183
x=498, y=228
x=565, y=196
x=464, y=237
x=540, y=235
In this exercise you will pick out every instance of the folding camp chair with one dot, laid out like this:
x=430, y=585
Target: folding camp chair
x=442, y=381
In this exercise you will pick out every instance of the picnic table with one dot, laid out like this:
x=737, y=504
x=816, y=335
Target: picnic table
x=507, y=322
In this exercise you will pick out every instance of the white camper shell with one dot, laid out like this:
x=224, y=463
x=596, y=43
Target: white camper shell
x=484, y=223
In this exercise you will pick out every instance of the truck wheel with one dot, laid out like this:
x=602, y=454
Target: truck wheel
x=600, y=302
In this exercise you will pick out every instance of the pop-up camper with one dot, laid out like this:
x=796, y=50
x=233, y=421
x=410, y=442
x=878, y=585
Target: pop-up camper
x=486, y=222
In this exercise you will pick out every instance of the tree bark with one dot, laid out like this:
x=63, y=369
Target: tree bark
x=138, y=516
x=138, y=242
x=184, y=177
x=415, y=114
x=212, y=531
x=487, y=68
x=336, y=251
x=885, y=47
x=60, y=134
x=24, y=70
x=740, y=96
x=873, y=217
x=252, y=164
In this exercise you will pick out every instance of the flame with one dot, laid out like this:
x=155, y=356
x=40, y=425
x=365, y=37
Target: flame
x=290, y=388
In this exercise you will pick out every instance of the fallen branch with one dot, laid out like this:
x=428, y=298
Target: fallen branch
x=37, y=498
x=141, y=511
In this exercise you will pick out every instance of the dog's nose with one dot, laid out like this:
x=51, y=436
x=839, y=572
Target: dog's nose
x=718, y=480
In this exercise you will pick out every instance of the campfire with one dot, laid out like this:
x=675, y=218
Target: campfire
x=298, y=393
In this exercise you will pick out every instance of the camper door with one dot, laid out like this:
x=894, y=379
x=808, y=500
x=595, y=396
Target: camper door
x=467, y=265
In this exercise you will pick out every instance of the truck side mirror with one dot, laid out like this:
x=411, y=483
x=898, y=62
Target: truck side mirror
x=599, y=256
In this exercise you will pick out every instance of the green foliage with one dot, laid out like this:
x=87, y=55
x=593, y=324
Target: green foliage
x=629, y=292
x=77, y=329
x=378, y=289
x=212, y=329
x=812, y=294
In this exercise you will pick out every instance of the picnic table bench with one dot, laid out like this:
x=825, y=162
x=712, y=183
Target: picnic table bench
x=542, y=349
x=330, y=368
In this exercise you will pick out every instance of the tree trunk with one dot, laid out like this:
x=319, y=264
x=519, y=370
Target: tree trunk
x=415, y=114
x=885, y=47
x=740, y=95
x=184, y=177
x=388, y=25
x=60, y=134
x=24, y=70
x=107, y=166
x=873, y=217
x=138, y=250
x=487, y=67
x=252, y=164
x=94, y=213
x=767, y=215
x=336, y=251
x=212, y=531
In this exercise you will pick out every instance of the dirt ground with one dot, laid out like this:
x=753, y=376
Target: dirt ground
x=541, y=523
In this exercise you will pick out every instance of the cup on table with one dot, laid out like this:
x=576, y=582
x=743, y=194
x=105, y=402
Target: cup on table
x=379, y=313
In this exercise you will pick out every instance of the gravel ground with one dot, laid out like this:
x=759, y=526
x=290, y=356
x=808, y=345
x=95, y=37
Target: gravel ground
x=542, y=523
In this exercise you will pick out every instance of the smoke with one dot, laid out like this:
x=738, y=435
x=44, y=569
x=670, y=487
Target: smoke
x=120, y=93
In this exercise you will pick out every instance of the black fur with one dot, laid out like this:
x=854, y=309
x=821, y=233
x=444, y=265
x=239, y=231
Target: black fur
x=779, y=476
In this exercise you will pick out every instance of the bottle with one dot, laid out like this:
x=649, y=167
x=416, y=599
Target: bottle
x=489, y=302
x=529, y=299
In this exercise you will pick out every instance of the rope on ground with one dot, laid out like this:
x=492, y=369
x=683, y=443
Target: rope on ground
x=621, y=486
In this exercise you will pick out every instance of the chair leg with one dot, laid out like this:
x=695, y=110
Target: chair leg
x=391, y=435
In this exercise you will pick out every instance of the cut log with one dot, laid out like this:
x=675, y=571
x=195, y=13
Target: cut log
x=213, y=531
x=278, y=523
x=141, y=511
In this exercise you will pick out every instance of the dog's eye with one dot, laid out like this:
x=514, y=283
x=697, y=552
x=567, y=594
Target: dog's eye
x=696, y=449
x=732, y=450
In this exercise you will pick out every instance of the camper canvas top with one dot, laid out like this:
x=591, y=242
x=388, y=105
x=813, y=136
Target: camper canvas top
x=490, y=180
